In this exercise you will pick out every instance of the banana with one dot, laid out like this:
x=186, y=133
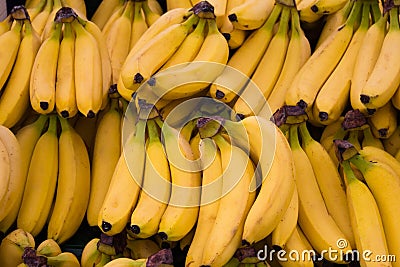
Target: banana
x=314, y=219
x=106, y=152
x=86, y=128
x=385, y=191
x=326, y=7
x=40, y=20
x=238, y=172
x=91, y=256
x=115, y=15
x=65, y=82
x=251, y=101
x=78, y=5
x=312, y=76
x=41, y=182
x=298, y=44
x=365, y=217
x=378, y=89
x=117, y=208
x=228, y=84
x=155, y=7
x=333, y=96
x=43, y=76
x=181, y=214
x=353, y=138
x=49, y=22
x=174, y=4
x=392, y=143
x=139, y=66
x=118, y=49
x=236, y=38
x=186, y=241
x=88, y=72
x=329, y=182
x=251, y=14
x=4, y=170
x=10, y=41
x=219, y=10
x=151, y=13
x=156, y=189
x=106, y=70
x=366, y=59
x=282, y=232
x=126, y=262
x=139, y=24
x=104, y=11
x=65, y=259
x=384, y=121
x=73, y=185
x=305, y=12
x=15, y=98
x=189, y=48
x=269, y=208
x=6, y=23
x=189, y=79
x=13, y=245
x=142, y=248
x=34, y=10
x=48, y=248
x=370, y=140
x=333, y=21
x=27, y=138
x=378, y=155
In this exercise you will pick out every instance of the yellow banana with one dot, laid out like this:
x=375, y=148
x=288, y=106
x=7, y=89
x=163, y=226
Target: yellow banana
x=384, y=121
x=73, y=185
x=139, y=24
x=333, y=96
x=326, y=7
x=88, y=72
x=366, y=60
x=43, y=76
x=49, y=22
x=173, y=4
x=319, y=227
x=15, y=98
x=189, y=48
x=385, y=76
x=40, y=20
x=155, y=7
x=392, y=143
x=4, y=170
x=156, y=189
x=293, y=62
x=228, y=84
x=312, y=75
x=41, y=182
x=254, y=95
x=117, y=208
x=27, y=138
x=142, y=248
x=5, y=24
x=378, y=155
x=370, y=140
x=78, y=5
x=183, y=207
x=65, y=82
x=13, y=245
x=49, y=248
x=139, y=66
x=251, y=14
x=107, y=150
x=104, y=11
x=189, y=79
x=65, y=259
x=114, y=16
x=365, y=218
x=10, y=41
x=306, y=13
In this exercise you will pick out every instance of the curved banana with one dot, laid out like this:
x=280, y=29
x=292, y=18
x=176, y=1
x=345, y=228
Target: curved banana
x=392, y=143
x=189, y=79
x=4, y=170
x=91, y=256
x=48, y=248
x=326, y=7
x=65, y=259
x=15, y=98
x=174, y=4
x=65, y=81
x=365, y=217
x=370, y=140
x=181, y=214
x=333, y=96
x=104, y=11
x=10, y=41
x=40, y=20
x=312, y=76
x=251, y=14
x=78, y=5
x=319, y=227
x=384, y=121
x=228, y=84
x=13, y=245
x=117, y=208
x=381, y=156
x=151, y=13
x=41, y=182
x=385, y=76
x=156, y=189
x=139, y=23
x=266, y=74
x=49, y=22
x=5, y=25
x=142, y=248
x=88, y=72
x=43, y=77
x=106, y=153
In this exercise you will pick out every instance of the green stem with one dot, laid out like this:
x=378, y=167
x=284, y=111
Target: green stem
x=273, y=17
x=284, y=21
x=152, y=129
x=365, y=16
x=220, y=141
x=349, y=174
x=394, y=19
x=360, y=163
x=305, y=134
x=354, y=14
x=294, y=137
x=376, y=12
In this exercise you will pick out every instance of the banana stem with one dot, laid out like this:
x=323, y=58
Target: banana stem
x=365, y=15
x=360, y=163
x=305, y=134
x=284, y=21
x=153, y=131
x=41, y=121
x=53, y=124
x=295, y=23
x=394, y=19
x=273, y=17
x=354, y=14
x=65, y=126
x=376, y=12
x=294, y=137
x=348, y=172
x=220, y=141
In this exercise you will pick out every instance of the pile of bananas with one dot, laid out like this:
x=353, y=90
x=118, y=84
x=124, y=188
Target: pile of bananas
x=210, y=133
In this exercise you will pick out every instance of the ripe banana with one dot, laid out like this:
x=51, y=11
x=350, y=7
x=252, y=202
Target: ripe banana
x=251, y=14
x=10, y=41
x=43, y=76
x=48, y=248
x=40, y=20
x=41, y=182
x=152, y=12
x=91, y=256
x=326, y=7
x=13, y=245
x=65, y=81
x=4, y=170
x=117, y=208
x=370, y=140
x=104, y=11
x=106, y=153
x=173, y=4
x=49, y=22
x=5, y=25
x=384, y=121
x=15, y=98
x=156, y=189
x=63, y=259
x=139, y=24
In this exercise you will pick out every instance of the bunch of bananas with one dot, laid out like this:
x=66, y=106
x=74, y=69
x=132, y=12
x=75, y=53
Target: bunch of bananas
x=71, y=71
x=18, y=249
x=53, y=182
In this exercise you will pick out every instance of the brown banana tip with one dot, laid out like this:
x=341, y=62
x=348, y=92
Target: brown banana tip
x=323, y=116
x=91, y=114
x=163, y=236
x=383, y=133
x=113, y=89
x=163, y=256
x=135, y=229
x=65, y=15
x=371, y=111
x=138, y=78
x=44, y=105
x=64, y=114
x=219, y=94
x=245, y=252
x=227, y=36
x=19, y=13
x=204, y=10
x=30, y=258
x=353, y=119
x=341, y=146
x=105, y=226
x=364, y=99
x=232, y=17
x=314, y=8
